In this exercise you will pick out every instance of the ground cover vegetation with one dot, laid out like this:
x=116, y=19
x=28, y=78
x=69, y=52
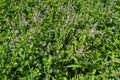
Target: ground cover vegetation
x=59, y=39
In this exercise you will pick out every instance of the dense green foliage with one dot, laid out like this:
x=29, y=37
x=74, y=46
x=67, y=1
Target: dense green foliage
x=59, y=39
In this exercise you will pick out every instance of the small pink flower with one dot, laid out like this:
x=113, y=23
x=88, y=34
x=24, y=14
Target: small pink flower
x=30, y=58
x=30, y=37
x=92, y=30
x=81, y=50
x=32, y=30
x=16, y=31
